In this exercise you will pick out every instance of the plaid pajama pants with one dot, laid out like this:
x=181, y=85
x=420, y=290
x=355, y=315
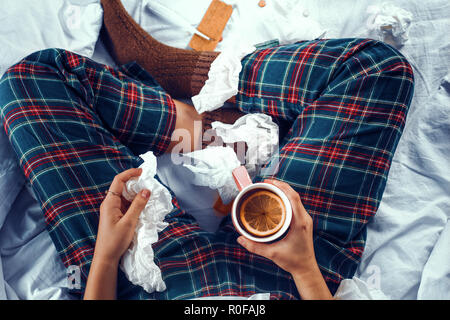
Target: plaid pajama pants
x=75, y=124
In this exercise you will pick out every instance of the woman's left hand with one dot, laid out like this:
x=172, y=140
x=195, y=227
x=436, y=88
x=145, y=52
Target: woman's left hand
x=118, y=219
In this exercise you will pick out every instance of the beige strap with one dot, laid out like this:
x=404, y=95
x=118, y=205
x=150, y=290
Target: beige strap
x=212, y=25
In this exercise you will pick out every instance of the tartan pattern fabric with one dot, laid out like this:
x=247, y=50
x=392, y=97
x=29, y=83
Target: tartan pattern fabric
x=75, y=124
x=346, y=102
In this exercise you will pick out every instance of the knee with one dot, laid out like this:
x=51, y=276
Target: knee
x=373, y=58
x=390, y=53
x=38, y=63
x=16, y=84
x=390, y=68
x=34, y=64
x=387, y=59
x=393, y=64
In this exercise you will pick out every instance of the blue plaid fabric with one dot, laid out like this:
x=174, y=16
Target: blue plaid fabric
x=75, y=124
x=345, y=102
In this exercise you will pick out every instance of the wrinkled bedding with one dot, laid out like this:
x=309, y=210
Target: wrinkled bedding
x=408, y=244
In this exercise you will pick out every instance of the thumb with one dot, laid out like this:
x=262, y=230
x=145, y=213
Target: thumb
x=136, y=207
x=252, y=246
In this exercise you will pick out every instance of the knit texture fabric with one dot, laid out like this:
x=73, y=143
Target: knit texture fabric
x=182, y=73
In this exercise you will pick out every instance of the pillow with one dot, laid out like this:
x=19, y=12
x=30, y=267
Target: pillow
x=28, y=26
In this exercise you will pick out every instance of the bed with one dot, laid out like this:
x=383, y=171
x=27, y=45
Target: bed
x=408, y=246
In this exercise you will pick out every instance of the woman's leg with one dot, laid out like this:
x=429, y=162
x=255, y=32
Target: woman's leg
x=346, y=101
x=74, y=124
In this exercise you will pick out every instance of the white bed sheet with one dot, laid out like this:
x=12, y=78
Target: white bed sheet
x=408, y=244
x=28, y=26
x=31, y=267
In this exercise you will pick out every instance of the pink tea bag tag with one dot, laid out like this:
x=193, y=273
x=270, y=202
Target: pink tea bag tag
x=241, y=177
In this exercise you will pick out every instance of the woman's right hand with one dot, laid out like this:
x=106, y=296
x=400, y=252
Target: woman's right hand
x=295, y=252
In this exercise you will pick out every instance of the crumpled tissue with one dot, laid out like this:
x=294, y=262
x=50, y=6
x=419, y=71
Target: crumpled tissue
x=389, y=23
x=258, y=131
x=138, y=261
x=212, y=166
x=223, y=78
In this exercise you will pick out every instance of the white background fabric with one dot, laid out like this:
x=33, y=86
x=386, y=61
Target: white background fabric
x=29, y=25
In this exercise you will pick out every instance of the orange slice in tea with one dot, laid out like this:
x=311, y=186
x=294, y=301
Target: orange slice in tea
x=262, y=213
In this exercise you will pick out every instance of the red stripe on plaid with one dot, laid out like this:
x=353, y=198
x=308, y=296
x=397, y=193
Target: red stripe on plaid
x=358, y=251
x=330, y=153
x=128, y=118
x=329, y=278
x=78, y=256
x=91, y=75
x=272, y=109
x=359, y=45
x=28, y=69
x=339, y=107
x=74, y=59
x=297, y=73
x=67, y=155
x=278, y=96
x=183, y=231
x=82, y=201
x=236, y=291
x=361, y=209
x=239, y=253
x=169, y=126
x=403, y=65
x=39, y=111
x=259, y=59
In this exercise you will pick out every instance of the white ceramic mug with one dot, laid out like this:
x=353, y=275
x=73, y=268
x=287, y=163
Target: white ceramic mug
x=245, y=185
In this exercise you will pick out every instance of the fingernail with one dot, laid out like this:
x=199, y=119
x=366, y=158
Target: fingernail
x=145, y=194
x=240, y=240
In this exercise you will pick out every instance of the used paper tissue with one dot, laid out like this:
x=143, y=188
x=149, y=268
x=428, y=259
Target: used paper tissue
x=138, y=261
x=223, y=78
x=389, y=23
x=212, y=167
x=258, y=131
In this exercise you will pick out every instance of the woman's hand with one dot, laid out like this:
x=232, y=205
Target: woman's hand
x=118, y=219
x=295, y=252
